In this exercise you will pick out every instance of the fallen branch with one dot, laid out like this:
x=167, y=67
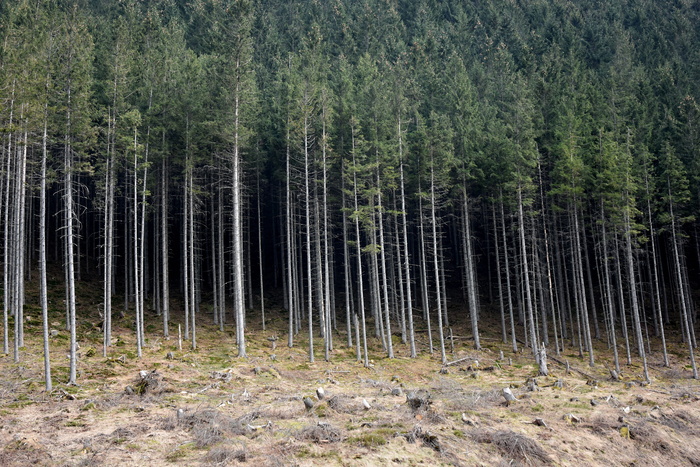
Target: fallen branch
x=571, y=367
x=459, y=361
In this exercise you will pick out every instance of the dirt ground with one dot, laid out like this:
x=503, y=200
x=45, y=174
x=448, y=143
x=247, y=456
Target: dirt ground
x=209, y=407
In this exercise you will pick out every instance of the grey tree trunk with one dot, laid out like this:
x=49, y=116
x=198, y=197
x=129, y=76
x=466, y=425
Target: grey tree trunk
x=43, y=294
x=385, y=285
x=469, y=270
x=309, y=264
x=358, y=239
x=291, y=261
x=109, y=237
x=165, y=249
x=239, y=306
x=436, y=253
x=70, y=256
x=526, y=275
x=608, y=288
x=633, y=296
x=685, y=314
x=407, y=258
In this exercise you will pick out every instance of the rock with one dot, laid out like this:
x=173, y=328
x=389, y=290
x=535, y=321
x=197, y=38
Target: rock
x=508, y=396
x=626, y=410
x=180, y=414
x=129, y=390
x=396, y=392
x=559, y=384
x=366, y=404
x=170, y=356
x=501, y=357
x=594, y=402
x=320, y=393
x=53, y=333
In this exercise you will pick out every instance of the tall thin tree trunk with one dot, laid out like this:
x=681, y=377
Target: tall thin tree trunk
x=436, y=253
x=407, y=258
x=469, y=269
x=239, y=305
x=685, y=314
x=358, y=238
x=43, y=293
x=165, y=248
x=526, y=276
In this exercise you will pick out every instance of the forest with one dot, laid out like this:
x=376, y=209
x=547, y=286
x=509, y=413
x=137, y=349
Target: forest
x=382, y=170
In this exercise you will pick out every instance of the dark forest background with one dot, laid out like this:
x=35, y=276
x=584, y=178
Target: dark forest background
x=379, y=169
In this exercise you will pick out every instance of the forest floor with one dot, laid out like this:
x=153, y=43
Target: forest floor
x=208, y=407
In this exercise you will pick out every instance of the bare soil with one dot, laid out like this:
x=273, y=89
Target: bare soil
x=209, y=407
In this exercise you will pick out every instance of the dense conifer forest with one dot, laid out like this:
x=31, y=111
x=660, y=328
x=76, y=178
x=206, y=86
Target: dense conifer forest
x=527, y=171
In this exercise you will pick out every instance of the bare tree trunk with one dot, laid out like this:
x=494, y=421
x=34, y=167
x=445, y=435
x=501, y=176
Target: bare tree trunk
x=346, y=266
x=239, y=306
x=6, y=234
x=578, y=271
x=291, y=261
x=469, y=270
x=358, y=238
x=309, y=264
x=165, y=248
x=685, y=315
x=191, y=258
x=608, y=287
x=43, y=294
x=499, y=279
x=109, y=234
x=220, y=259
x=424, y=272
x=407, y=258
x=70, y=266
x=328, y=334
x=633, y=296
x=433, y=218
x=382, y=253
x=260, y=254
x=138, y=302
x=526, y=276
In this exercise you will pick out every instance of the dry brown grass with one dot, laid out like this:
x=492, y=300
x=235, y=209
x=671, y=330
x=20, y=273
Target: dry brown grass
x=241, y=415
